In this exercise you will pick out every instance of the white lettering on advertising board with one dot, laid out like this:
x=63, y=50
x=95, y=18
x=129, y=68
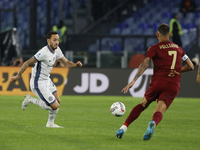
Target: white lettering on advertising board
x=141, y=84
x=89, y=81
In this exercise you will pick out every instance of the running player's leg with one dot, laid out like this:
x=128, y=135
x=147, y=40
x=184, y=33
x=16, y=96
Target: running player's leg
x=45, y=92
x=41, y=86
x=51, y=102
x=136, y=111
x=150, y=96
x=134, y=114
x=164, y=101
x=46, y=100
x=157, y=117
x=42, y=101
x=53, y=90
x=56, y=96
x=159, y=111
x=52, y=113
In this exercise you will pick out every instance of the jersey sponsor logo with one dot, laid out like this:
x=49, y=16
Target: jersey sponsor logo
x=173, y=73
x=142, y=83
x=50, y=98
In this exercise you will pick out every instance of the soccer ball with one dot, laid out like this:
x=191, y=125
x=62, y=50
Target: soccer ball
x=117, y=109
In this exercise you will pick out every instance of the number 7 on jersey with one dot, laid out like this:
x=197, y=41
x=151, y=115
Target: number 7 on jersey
x=174, y=53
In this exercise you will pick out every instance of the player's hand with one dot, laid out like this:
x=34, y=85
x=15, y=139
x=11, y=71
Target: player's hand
x=14, y=78
x=79, y=64
x=125, y=89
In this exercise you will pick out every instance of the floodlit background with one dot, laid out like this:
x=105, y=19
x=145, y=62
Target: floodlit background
x=100, y=33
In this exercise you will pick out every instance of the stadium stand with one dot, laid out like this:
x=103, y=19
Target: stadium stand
x=134, y=32
x=139, y=23
x=22, y=10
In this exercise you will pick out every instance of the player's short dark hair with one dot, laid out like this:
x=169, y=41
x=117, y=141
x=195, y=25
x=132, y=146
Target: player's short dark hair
x=51, y=33
x=163, y=29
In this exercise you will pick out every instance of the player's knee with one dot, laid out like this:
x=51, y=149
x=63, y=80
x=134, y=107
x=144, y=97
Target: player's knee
x=143, y=105
x=55, y=105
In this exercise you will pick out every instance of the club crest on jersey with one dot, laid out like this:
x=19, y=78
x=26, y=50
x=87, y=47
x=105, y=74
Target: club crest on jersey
x=50, y=98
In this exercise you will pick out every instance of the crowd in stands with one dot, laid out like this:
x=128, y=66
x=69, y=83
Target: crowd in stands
x=145, y=21
x=142, y=21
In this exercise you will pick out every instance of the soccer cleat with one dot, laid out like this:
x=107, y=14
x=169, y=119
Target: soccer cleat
x=53, y=125
x=119, y=133
x=26, y=102
x=150, y=129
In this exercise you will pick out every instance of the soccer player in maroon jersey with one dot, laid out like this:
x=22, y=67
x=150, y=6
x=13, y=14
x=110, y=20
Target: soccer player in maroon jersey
x=165, y=83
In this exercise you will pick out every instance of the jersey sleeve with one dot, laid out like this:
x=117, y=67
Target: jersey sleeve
x=59, y=54
x=39, y=55
x=151, y=52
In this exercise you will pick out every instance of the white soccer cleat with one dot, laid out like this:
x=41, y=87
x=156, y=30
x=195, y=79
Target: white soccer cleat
x=26, y=102
x=53, y=125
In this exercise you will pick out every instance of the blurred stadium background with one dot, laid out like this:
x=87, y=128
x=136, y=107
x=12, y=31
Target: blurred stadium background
x=102, y=34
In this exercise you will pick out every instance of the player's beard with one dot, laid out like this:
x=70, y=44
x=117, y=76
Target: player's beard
x=52, y=46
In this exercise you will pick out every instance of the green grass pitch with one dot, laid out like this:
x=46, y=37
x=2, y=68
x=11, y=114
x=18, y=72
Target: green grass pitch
x=89, y=125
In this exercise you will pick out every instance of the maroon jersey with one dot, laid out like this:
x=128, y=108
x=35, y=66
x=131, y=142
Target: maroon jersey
x=167, y=60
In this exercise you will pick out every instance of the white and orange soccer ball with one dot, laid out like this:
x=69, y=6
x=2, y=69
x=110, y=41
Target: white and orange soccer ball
x=117, y=109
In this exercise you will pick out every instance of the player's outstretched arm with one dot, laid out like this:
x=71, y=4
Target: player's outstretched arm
x=70, y=64
x=198, y=75
x=26, y=64
x=188, y=66
x=143, y=66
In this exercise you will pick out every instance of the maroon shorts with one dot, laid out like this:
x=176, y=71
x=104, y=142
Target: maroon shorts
x=162, y=90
